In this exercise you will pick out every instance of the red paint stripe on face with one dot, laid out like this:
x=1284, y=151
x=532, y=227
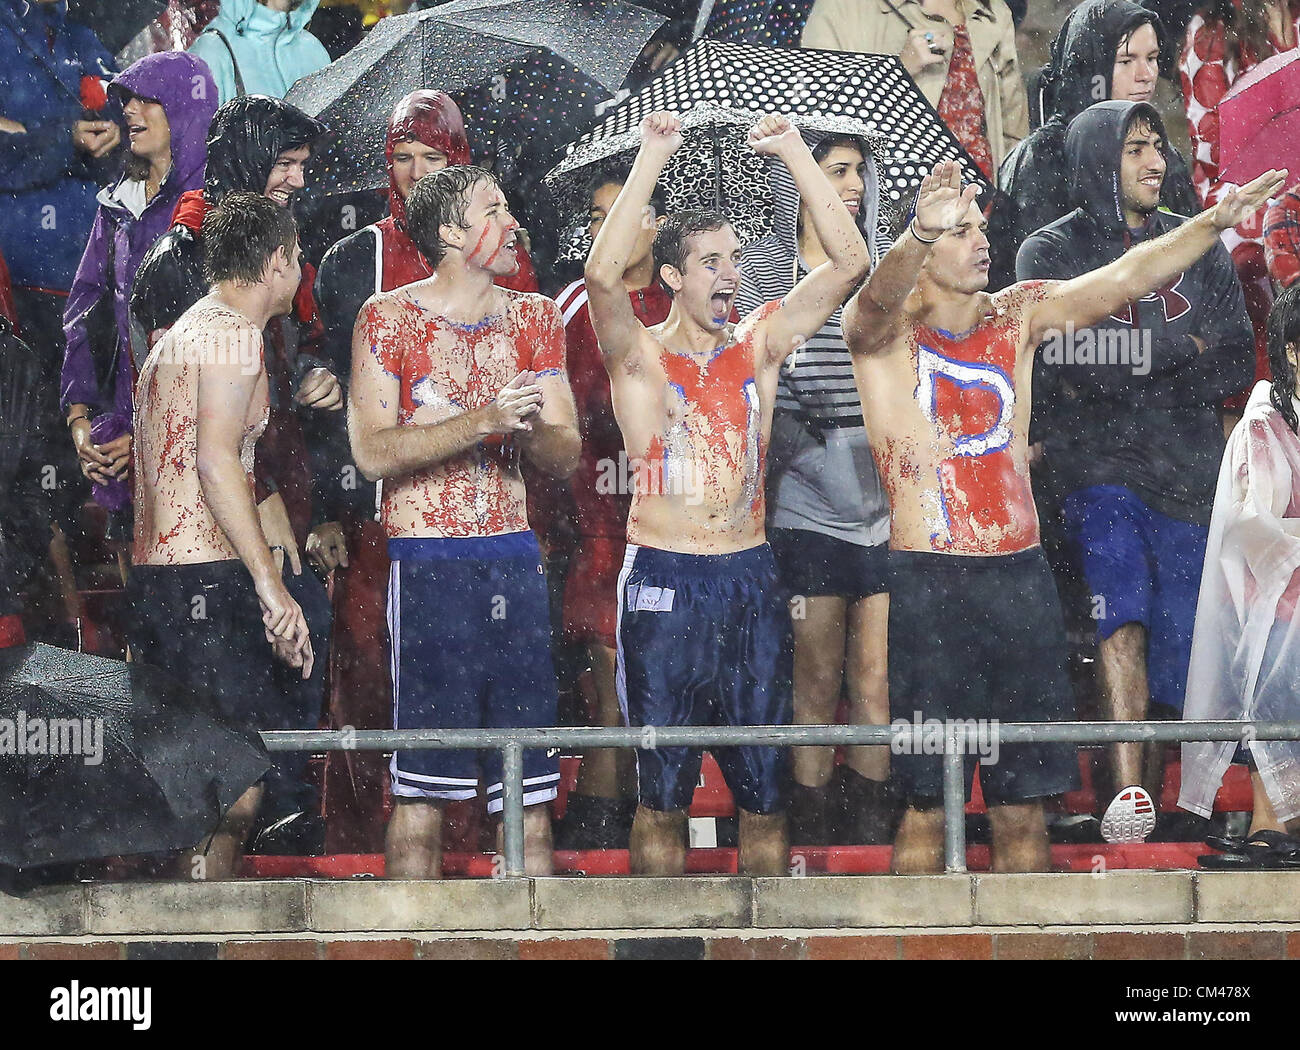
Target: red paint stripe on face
x=478, y=247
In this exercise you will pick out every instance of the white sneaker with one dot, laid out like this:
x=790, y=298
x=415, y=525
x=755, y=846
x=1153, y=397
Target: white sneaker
x=1130, y=817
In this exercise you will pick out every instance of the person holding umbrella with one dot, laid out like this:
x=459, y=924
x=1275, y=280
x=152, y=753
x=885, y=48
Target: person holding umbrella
x=828, y=515
x=703, y=626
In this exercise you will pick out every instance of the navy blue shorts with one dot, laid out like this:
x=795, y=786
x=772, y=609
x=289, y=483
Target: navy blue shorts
x=979, y=638
x=1141, y=567
x=705, y=640
x=470, y=641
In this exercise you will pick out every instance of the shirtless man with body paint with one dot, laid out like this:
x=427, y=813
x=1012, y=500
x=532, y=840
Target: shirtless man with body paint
x=206, y=593
x=975, y=630
x=453, y=378
x=702, y=622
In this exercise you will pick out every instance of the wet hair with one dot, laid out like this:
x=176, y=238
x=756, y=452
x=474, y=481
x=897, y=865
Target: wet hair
x=670, y=242
x=441, y=199
x=831, y=142
x=1245, y=30
x=241, y=234
x=617, y=170
x=1284, y=331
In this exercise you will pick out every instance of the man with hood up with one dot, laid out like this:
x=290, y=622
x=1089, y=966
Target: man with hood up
x=1107, y=49
x=1128, y=410
x=426, y=133
x=260, y=47
x=260, y=144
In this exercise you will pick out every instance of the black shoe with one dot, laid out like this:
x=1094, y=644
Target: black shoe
x=297, y=835
x=595, y=823
x=869, y=810
x=1179, y=827
x=809, y=815
x=1075, y=828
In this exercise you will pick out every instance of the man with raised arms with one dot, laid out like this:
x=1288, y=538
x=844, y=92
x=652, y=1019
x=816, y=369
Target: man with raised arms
x=702, y=631
x=975, y=629
x=452, y=378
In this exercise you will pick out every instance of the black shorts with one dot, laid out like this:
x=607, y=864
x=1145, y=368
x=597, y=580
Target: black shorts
x=979, y=638
x=202, y=625
x=814, y=564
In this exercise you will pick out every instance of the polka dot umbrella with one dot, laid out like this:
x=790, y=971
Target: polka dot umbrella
x=535, y=67
x=714, y=168
x=872, y=89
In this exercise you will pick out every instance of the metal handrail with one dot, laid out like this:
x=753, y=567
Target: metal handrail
x=956, y=735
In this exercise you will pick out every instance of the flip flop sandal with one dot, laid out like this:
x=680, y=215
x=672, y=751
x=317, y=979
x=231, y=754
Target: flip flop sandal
x=1245, y=844
x=1230, y=862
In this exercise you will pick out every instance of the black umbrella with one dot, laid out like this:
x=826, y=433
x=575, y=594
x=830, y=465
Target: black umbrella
x=714, y=168
x=101, y=758
x=578, y=51
x=873, y=89
x=116, y=22
x=776, y=22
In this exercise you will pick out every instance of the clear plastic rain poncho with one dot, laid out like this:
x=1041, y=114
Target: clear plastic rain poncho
x=1246, y=647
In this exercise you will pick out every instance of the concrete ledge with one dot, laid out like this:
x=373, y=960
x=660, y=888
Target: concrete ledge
x=613, y=903
x=241, y=906
x=1156, y=901
x=1248, y=896
x=44, y=913
x=868, y=900
x=1113, y=897
x=370, y=904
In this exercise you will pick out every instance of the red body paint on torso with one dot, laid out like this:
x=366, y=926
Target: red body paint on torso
x=446, y=369
x=966, y=389
x=709, y=449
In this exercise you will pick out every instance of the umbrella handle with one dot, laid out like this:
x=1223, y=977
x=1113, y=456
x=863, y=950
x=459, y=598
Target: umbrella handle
x=715, y=135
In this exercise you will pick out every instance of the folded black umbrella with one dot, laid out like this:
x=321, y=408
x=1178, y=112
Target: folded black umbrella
x=101, y=758
x=872, y=89
x=116, y=22
x=578, y=51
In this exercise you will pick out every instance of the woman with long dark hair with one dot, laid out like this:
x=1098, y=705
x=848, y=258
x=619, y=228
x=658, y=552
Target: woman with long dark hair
x=1246, y=648
x=828, y=515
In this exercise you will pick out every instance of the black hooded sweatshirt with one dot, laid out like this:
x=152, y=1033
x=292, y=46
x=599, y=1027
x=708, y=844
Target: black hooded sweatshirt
x=246, y=136
x=1033, y=185
x=244, y=139
x=1153, y=426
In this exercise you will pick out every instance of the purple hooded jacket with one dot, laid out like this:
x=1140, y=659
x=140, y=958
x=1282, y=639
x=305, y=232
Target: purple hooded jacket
x=184, y=87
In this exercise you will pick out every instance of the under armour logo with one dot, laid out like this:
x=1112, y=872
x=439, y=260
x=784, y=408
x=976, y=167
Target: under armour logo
x=1173, y=303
